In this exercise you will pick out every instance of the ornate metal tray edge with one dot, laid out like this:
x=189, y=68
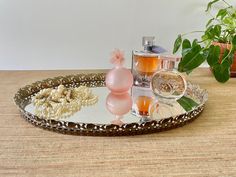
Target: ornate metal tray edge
x=23, y=96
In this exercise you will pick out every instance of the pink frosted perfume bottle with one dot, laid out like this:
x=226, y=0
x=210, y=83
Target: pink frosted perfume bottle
x=119, y=80
x=145, y=63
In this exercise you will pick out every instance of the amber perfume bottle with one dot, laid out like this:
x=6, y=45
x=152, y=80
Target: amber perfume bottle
x=142, y=99
x=145, y=63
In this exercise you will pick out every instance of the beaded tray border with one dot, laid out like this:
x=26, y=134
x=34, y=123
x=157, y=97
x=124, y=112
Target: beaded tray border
x=24, y=95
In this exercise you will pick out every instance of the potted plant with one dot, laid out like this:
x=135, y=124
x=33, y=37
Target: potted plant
x=217, y=45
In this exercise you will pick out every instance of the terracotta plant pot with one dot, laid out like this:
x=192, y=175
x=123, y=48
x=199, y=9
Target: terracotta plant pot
x=224, y=46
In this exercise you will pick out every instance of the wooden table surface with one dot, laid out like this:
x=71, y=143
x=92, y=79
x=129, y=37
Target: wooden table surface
x=206, y=147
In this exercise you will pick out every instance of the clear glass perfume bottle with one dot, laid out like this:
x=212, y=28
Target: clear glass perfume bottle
x=145, y=63
x=168, y=85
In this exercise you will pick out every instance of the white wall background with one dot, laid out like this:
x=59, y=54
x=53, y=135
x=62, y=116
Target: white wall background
x=80, y=34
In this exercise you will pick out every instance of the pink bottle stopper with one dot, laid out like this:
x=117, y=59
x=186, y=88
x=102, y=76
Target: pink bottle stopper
x=119, y=79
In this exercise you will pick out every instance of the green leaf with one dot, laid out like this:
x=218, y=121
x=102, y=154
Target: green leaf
x=210, y=32
x=186, y=44
x=205, y=53
x=194, y=58
x=227, y=58
x=209, y=22
x=186, y=47
x=213, y=56
x=234, y=40
x=221, y=72
x=222, y=13
x=204, y=37
x=177, y=44
x=187, y=103
x=228, y=21
x=209, y=5
x=217, y=30
x=194, y=43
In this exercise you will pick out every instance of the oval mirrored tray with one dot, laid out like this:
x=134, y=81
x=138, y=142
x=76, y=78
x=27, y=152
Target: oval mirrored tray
x=96, y=120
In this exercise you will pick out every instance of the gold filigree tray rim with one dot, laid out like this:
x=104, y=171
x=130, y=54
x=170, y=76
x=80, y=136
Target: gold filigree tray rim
x=24, y=94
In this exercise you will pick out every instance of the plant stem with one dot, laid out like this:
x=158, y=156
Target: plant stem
x=231, y=49
x=192, y=32
x=226, y=3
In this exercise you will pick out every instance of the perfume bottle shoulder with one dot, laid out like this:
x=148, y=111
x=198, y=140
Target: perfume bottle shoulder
x=145, y=53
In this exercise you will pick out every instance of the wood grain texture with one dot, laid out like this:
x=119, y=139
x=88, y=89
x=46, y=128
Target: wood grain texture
x=206, y=147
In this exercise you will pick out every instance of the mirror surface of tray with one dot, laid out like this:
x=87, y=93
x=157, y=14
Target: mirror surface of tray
x=96, y=120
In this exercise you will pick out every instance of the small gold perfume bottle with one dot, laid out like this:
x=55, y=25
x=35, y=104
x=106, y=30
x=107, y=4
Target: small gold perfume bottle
x=145, y=63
